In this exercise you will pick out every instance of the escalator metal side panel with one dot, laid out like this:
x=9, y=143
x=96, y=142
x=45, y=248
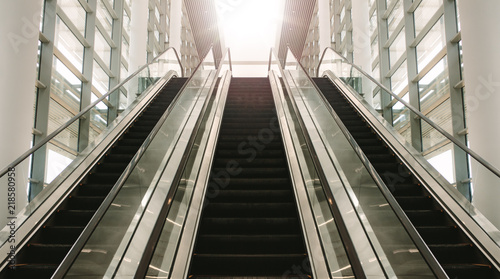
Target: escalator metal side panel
x=48, y=201
x=447, y=196
x=133, y=250
x=186, y=244
x=363, y=247
x=313, y=245
x=142, y=176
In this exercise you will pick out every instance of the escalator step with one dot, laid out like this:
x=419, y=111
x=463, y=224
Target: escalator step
x=415, y=202
x=243, y=162
x=258, y=172
x=253, y=196
x=43, y=253
x=249, y=265
x=450, y=245
x=428, y=217
x=461, y=253
x=249, y=225
x=58, y=235
x=441, y=234
x=250, y=210
x=469, y=271
x=250, y=244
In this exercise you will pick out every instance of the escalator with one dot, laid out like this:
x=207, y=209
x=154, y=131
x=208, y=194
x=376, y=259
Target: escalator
x=249, y=225
x=48, y=246
x=457, y=254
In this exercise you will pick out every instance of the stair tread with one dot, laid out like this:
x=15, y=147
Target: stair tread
x=43, y=253
x=250, y=228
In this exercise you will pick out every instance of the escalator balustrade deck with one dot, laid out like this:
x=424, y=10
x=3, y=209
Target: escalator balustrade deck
x=456, y=253
x=43, y=253
x=249, y=224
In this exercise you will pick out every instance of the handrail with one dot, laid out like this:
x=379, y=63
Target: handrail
x=417, y=112
x=410, y=229
x=84, y=111
x=99, y=214
x=230, y=61
x=157, y=230
x=335, y=210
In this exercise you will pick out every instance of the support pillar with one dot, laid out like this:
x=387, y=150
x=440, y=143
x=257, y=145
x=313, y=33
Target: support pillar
x=19, y=32
x=361, y=43
x=138, y=42
x=325, y=32
x=482, y=81
x=175, y=25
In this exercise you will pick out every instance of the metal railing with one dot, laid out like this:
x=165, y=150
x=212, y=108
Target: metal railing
x=99, y=214
x=410, y=229
x=355, y=261
x=84, y=111
x=466, y=149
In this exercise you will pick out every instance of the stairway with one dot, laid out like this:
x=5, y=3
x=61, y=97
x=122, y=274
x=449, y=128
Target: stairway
x=46, y=249
x=459, y=257
x=249, y=226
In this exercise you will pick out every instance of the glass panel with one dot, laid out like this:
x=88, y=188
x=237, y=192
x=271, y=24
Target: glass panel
x=68, y=44
x=165, y=251
x=64, y=104
x=397, y=48
x=434, y=102
x=105, y=18
x=461, y=59
x=434, y=86
x=102, y=48
x=125, y=49
x=74, y=10
x=126, y=22
x=399, y=79
x=57, y=160
x=123, y=72
x=376, y=72
x=434, y=95
x=424, y=12
x=39, y=55
x=333, y=246
x=389, y=240
x=374, y=50
x=431, y=44
x=401, y=118
x=100, y=79
x=98, y=118
x=146, y=178
x=395, y=18
x=65, y=87
x=68, y=139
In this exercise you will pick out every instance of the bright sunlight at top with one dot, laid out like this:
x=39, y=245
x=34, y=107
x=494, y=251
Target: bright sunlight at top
x=249, y=28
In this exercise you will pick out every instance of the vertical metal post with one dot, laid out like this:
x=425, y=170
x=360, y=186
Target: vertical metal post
x=348, y=37
x=411, y=62
x=383, y=35
x=43, y=99
x=116, y=55
x=462, y=172
x=88, y=66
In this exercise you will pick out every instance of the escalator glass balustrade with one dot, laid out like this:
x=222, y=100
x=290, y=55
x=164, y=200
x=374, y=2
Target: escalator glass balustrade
x=463, y=241
x=46, y=249
x=249, y=224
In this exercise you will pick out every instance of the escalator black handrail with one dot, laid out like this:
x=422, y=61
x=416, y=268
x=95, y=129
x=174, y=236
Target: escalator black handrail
x=413, y=233
x=99, y=214
x=334, y=208
x=466, y=149
x=147, y=255
x=79, y=115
